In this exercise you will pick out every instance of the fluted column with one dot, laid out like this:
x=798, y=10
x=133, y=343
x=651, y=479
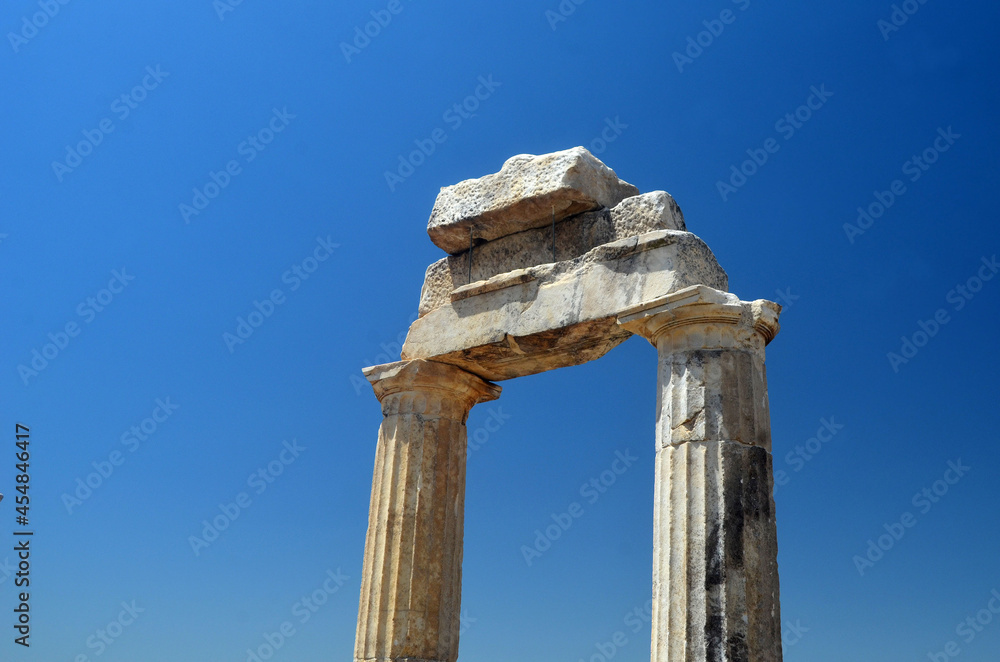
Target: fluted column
x=715, y=568
x=411, y=587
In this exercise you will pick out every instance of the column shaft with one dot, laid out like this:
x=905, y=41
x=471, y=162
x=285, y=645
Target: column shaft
x=715, y=572
x=412, y=576
x=715, y=580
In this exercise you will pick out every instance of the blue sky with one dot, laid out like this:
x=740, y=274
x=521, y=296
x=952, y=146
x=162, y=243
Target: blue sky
x=288, y=135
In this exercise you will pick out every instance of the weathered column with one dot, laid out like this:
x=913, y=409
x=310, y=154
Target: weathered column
x=715, y=569
x=411, y=587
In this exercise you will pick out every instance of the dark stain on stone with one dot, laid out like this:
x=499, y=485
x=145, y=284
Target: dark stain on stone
x=733, y=518
x=715, y=637
x=738, y=651
x=757, y=503
x=715, y=569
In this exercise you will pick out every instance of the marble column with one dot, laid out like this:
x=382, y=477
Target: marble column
x=411, y=586
x=715, y=569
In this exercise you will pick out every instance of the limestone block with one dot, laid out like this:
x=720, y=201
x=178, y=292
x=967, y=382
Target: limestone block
x=651, y=211
x=559, y=314
x=574, y=236
x=523, y=195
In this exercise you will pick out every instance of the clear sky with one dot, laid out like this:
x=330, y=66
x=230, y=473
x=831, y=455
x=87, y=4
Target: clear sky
x=168, y=167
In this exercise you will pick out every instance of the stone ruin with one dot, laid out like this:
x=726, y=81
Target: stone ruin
x=552, y=262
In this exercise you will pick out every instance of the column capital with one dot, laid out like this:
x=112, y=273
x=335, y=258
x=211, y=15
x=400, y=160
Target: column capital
x=429, y=382
x=701, y=317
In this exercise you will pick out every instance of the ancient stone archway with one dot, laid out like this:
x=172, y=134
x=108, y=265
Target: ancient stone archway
x=552, y=262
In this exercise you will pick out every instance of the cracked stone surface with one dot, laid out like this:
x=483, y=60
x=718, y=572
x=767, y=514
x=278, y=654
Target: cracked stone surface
x=524, y=321
x=574, y=236
x=525, y=194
